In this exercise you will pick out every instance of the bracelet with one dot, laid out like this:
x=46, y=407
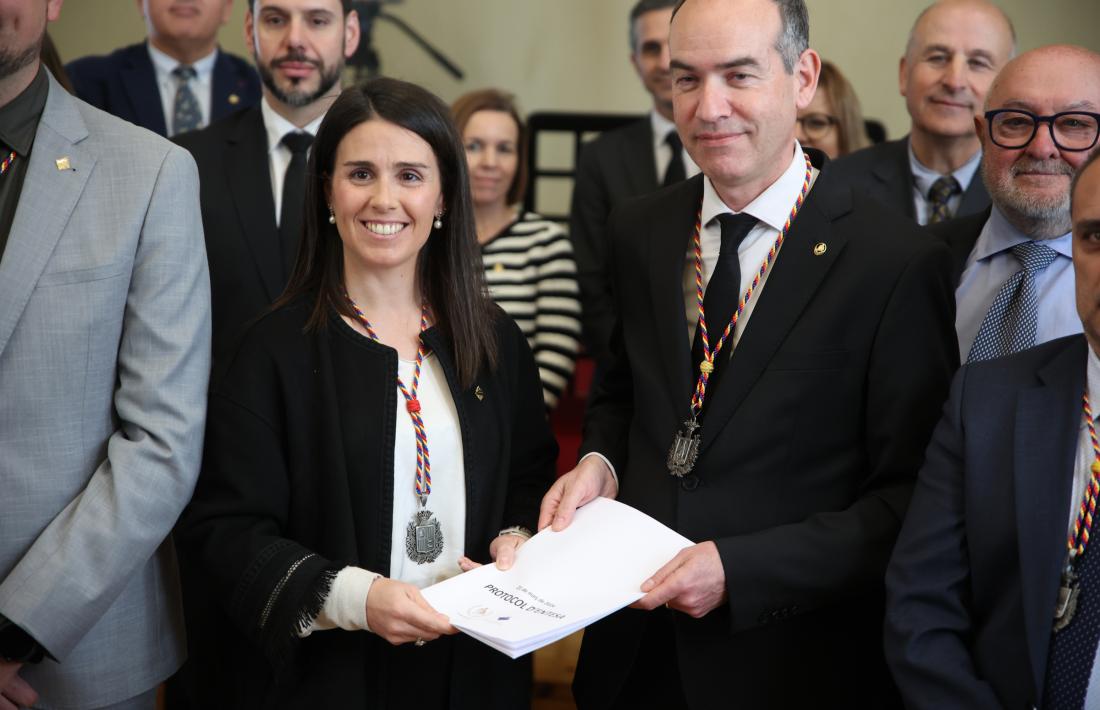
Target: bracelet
x=516, y=530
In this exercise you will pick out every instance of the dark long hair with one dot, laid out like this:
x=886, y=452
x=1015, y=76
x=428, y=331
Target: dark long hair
x=449, y=272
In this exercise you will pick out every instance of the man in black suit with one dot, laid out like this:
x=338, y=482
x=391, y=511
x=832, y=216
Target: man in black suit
x=1029, y=221
x=955, y=49
x=624, y=163
x=176, y=81
x=810, y=433
x=252, y=164
x=974, y=618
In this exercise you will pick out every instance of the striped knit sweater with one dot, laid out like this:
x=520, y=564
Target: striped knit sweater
x=532, y=276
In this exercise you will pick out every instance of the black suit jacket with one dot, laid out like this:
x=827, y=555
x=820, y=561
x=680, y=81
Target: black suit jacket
x=124, y=83
x=883, y=172
x=973, y=580
x=238, y=216
x=960, y=235
x=810, y=444
x=613, y=168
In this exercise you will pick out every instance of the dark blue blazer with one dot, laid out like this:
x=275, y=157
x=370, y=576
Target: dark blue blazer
x=124, y=83
x=973, y=580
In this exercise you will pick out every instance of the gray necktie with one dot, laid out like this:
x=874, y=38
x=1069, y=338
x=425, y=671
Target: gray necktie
x=186, y=115
x=1012, y=320
x=939, y=198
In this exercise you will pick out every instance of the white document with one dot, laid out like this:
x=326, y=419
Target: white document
x=561, y=581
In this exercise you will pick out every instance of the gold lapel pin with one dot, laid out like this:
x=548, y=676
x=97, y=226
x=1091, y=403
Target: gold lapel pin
x=479, y=393
x=498, y=267
x=63, y=163
x=820, y=248
x=234, y=99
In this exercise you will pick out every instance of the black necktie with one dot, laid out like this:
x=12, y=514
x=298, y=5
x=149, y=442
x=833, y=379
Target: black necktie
x=674, y=173
x=722, y=294
x=294, y=188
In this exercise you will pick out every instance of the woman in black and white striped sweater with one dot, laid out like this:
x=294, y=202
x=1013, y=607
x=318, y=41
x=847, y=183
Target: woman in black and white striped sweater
x=528, y=260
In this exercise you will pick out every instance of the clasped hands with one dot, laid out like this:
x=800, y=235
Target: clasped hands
x=397, y=611
x=693, y=581
x=14, y=691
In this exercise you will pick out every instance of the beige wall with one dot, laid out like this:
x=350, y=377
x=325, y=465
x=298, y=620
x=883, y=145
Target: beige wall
x=572, y=54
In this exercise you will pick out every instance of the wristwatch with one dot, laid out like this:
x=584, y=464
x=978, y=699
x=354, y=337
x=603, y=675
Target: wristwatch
x=16, y=645
x=516, y=530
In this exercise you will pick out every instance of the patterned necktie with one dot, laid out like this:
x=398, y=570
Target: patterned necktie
x=674, y=172
x=722, y=294
x=294, y=190
x=186, y=115
x=939, y=195
x=1010, y=324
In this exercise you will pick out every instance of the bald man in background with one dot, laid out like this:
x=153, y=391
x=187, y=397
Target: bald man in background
x=955, y=49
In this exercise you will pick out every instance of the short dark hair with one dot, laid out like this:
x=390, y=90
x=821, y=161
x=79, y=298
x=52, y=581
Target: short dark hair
x=345, y=4
x=467, y=105
x=794, y=30
x=448, y=269
x=642, y=7
x=1094, y=157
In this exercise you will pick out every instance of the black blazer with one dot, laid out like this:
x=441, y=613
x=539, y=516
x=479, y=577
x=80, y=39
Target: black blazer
x=960, y=234
x=883, y=172
x=238, y=216
x=297, y=482
x=810, y=444
x=613, y=168
x=973, y=581
x=124, y=83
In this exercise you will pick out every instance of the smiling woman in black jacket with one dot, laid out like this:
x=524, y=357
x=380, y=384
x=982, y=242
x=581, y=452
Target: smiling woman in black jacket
x=379, y=430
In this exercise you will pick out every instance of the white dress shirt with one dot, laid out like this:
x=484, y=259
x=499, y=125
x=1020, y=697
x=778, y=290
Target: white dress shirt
x=991, y=263
x=202, y=85
x=662, y=152
x=924, y=178
x=278, y=154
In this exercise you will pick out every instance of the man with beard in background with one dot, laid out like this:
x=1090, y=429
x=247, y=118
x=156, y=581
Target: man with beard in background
x=252, y=165
x=1013, y=261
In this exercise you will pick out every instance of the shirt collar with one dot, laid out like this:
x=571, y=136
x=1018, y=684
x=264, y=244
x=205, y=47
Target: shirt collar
x=924, y=177
x=1094, y=380
x=164, y=64
x=661, y=127
x=19, y=117
x=999, y=235
x=773, y=205
x=277, y=126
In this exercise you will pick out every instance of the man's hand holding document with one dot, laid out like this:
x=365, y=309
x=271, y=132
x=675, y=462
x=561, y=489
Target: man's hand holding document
x=561, y=581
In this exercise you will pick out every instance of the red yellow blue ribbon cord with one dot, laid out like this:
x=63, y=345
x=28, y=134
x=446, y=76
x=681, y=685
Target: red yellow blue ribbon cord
x=423, y=485
x=706, y=367
x=1079, y=540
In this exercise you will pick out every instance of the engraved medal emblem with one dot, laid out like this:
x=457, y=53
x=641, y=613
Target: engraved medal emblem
x=423, y=538
x=684, y=450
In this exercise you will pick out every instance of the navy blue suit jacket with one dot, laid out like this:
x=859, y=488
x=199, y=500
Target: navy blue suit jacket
x=124, y=83
x=973, y=580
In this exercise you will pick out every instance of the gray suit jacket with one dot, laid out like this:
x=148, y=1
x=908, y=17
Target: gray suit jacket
x=104, y=362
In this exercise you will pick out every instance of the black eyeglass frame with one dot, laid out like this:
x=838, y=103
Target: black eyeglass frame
x=1035, y=121
x=830, y=122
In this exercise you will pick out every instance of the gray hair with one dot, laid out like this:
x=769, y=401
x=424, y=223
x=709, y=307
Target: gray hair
x=794, y=32
x=640, y=8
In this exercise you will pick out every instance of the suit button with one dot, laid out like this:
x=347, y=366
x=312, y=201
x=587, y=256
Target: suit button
x=689, y=482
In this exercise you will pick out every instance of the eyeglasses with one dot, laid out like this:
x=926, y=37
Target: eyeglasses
x=816, y=125
x=1013, y=129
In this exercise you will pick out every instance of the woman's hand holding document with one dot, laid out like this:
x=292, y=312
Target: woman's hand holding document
x=560, y=581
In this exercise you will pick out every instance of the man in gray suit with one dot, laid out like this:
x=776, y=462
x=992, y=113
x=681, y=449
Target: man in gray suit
x=104, y=361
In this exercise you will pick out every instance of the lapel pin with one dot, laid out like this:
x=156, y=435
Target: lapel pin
x=498, y=267
x=234, y=99
x=63, y=163
x=820, y=248
x=479, y=393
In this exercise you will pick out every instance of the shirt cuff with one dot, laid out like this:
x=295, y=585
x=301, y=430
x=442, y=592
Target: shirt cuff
x=614, y=476
x=346, y=604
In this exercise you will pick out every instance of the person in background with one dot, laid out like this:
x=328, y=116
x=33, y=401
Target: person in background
x=528, y=260
x=52, y=61
x=378, y=430
x=833, y=122
x=955, y=49
x=178, y=80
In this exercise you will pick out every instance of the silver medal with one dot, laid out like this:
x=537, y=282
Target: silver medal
x=684, y=450
x=423, y=538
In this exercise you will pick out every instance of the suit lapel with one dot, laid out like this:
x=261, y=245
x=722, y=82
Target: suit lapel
x=139, y=81
x=796, y=276
x=246, y=162
x=638, y=159
x=895, y=176
x=224, y=96
x=46, y=203
x=976, y=198
x=1045, y=445
x=669, y=240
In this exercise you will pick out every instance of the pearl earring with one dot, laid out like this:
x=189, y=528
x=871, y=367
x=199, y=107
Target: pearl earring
x=438, y=223
x=331, y=215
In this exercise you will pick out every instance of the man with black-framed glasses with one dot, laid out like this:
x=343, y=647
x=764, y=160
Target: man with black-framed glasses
x=1014, y=263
